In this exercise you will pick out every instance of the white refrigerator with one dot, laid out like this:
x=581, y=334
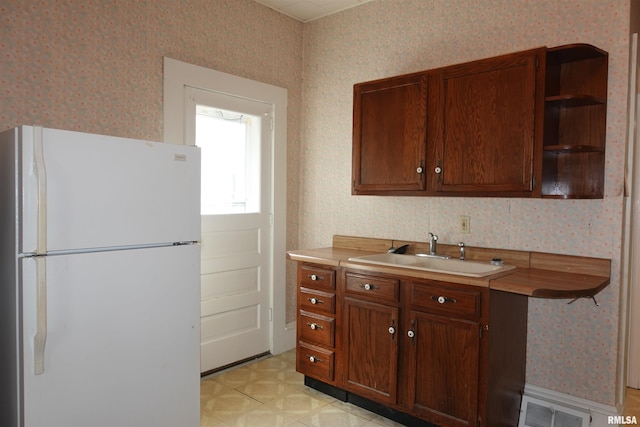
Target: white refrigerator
x=99, y=281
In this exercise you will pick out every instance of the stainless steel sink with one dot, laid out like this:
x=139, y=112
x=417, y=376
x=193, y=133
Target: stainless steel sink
x=447, y=266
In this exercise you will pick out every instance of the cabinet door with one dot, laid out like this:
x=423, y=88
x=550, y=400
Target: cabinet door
x=485, y=126
x=371, y=350
x=443, y=369
x=389, y=135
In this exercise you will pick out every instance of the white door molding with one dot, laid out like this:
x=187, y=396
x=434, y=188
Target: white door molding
x=177, y=76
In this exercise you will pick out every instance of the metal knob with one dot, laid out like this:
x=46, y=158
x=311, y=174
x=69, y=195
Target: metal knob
x=392, y=330
x=313, y=300
x=411, y=333
x=313, y=277
x=442, y=300
x=438, y=169
x=314, y=326
x=312, y=359
x=419, y=169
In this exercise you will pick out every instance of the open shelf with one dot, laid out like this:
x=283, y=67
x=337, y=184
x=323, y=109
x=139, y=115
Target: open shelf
x=575, y=113
x=573, y=101
x=560, y=149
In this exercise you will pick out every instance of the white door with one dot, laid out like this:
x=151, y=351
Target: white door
x=235, y=137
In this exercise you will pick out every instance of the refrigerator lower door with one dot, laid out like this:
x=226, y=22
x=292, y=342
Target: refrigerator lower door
x=85, y=191
x=122, y=339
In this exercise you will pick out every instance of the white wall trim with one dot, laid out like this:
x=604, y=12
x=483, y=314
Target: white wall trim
x=289, y=341
x=177, y=76
x=631, y=306
x=599, y=412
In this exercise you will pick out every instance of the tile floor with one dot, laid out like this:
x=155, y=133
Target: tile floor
x=270, y=393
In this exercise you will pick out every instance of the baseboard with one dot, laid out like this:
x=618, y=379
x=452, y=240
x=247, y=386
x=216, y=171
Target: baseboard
x=290, y=336
x=600, y=413
x=284, y=340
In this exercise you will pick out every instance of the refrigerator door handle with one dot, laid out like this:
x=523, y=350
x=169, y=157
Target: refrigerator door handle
x=40, y=339
x=41, y=174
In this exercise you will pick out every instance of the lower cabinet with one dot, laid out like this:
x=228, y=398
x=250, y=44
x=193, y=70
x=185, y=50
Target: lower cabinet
x=450, y=354
x=316, y=321
x=371, y=348
x=441, y=361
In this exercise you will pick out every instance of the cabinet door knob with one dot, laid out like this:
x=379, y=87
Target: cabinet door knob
x=442, y=299
x=368, y=286
x=419, y=169
x=438, y=169
x=411, y=333
x=314, y=326
x=315, y=301
x=392, y=330
x=315, y=277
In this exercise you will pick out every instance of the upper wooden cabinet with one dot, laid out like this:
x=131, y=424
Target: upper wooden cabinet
x=483, y=127
x=389, y=135
x=527, y=124
x=575, y=112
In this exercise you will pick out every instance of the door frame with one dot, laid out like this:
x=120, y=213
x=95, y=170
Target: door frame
x=177, y=76
x=632, y=227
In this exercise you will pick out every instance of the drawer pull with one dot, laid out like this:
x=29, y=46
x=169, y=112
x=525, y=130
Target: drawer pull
x=315, y=301
x=368, y=287
x=314, y=326
x=442, y=299
x=315, y=277
x=313, y=359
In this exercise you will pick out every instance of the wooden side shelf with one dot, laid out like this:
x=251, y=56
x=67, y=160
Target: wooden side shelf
x=558, y=149
x=573, y=52
x=572, y=101
x=575, y=112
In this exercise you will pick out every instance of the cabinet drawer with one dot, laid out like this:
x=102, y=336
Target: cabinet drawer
x=314, y=361
x=312, y=299
x=371, y=286
x=316, y=328
x=313, y=276
x=445, y=300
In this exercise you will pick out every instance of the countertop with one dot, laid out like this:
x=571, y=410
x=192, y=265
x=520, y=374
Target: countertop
x=547, y=276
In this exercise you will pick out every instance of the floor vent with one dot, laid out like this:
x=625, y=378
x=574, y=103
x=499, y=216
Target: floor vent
x=541, y=413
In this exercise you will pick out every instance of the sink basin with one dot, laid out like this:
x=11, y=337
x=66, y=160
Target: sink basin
x=436, y=265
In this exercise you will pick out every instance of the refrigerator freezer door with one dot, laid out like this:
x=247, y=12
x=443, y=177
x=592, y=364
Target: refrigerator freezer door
x=122, y=345
x=105, y=191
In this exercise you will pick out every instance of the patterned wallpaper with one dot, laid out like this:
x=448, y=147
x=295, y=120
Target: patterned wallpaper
x=96, y=66
x=571, y=348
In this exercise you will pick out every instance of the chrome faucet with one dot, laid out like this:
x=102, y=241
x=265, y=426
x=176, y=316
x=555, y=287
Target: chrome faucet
x=433, y=248
x=433, y=243
x=462, y=252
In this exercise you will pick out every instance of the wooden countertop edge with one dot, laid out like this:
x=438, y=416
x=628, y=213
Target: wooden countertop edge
x=533, y=282
x=541, y=283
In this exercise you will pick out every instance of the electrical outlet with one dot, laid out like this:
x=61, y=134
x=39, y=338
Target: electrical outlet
x=464, y=224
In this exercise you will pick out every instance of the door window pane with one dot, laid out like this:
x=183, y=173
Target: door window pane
x=230, y=146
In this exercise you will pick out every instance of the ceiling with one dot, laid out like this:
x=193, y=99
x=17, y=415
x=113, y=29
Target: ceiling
x=308, y=10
